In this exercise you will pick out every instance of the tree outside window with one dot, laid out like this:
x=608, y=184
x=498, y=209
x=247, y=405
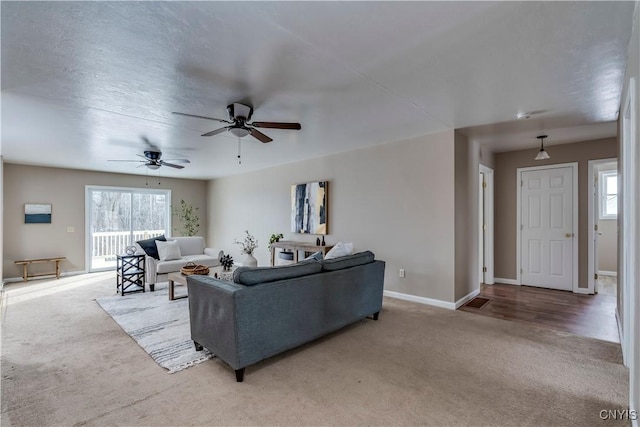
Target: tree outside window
x=608, y=194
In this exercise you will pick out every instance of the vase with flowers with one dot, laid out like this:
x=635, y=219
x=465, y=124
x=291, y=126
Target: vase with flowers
x=249, y=244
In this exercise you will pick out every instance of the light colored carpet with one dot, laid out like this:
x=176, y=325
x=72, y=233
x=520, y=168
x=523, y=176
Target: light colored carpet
x=159, y=326
x=65, y=362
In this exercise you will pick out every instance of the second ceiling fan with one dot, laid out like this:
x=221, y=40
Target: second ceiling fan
x=239, y=125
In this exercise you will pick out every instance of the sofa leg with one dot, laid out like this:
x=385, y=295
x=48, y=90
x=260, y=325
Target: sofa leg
x=375, y=315
x=198, y=346
x=240, y=375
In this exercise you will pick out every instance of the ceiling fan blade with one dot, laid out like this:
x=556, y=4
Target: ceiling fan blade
x=171, y=165
x=215, y=132
x=178, y=160
x=117, y=160
x=201, y=117
x=260, y=136
x=150, y=145
x=277, y=125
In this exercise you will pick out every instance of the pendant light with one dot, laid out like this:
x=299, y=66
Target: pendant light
x=542, y=154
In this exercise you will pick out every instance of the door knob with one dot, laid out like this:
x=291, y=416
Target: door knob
x=568, y=235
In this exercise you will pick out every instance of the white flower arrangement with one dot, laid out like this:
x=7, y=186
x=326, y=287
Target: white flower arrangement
x=249, y=244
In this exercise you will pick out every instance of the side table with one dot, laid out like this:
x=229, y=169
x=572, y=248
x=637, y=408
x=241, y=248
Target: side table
x=129, y=274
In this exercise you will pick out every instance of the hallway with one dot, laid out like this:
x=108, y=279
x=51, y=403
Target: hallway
x=587, y=315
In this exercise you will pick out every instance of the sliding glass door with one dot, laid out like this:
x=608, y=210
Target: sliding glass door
x=118, y=217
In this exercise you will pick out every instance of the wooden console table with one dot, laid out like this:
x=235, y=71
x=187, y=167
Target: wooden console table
x=296, y=247
x=26, y=262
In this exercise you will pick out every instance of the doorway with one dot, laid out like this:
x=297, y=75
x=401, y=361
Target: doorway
x=603, y=227
x=548, y=226
x=485, y=225
x=118, y=217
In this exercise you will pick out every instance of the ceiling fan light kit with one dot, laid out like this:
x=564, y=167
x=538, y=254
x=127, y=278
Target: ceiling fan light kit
x=542, y=154
x=239, y=131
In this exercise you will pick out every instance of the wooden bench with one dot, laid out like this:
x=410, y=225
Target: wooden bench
x=26, y=262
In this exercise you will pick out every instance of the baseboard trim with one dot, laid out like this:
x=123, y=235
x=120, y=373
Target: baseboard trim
x=421, y=300
x=620, y=335
x=50, y=276
x=607, y=273
x=465, y=299
x=582, y=291
x=506, y=281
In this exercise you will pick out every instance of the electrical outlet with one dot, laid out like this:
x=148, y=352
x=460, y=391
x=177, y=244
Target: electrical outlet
x=402, y=272
x=70, y=229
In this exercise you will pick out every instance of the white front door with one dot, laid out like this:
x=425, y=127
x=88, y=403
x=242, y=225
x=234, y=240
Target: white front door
x=547, y=228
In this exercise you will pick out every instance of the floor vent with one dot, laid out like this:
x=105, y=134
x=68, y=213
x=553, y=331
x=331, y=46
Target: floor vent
x=477, y=302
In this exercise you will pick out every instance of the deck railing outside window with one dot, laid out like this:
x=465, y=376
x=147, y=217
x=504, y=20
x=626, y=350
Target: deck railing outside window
x=110, y=243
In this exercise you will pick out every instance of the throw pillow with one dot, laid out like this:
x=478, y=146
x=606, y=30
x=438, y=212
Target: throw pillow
x=168, y=250
x=340, y=249
x=149, y=246
x=315, y=256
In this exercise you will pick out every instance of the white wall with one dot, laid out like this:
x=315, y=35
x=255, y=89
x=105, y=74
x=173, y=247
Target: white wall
x=633, y=360
x=607, y=245
x=396, y=200
x=1, y=217
x=467, y=158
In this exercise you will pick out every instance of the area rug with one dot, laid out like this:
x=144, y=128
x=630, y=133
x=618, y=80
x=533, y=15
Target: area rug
x=161, y=327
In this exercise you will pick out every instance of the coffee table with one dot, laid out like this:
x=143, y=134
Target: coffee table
x=181, y=279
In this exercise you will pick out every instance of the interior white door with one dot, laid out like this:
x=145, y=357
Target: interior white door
x=547, y=228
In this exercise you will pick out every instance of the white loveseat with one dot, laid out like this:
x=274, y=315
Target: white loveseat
x=191, y=249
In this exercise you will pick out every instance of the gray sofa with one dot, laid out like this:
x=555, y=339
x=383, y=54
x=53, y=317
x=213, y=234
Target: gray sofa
x=268, y=310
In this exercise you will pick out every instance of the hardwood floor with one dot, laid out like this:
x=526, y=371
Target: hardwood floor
x=586, y=315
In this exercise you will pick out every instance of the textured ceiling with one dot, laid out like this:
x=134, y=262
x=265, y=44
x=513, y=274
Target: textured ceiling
x=83, y=81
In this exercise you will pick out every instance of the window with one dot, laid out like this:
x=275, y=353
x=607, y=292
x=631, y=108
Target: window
x=608, y=194
x=118, y=217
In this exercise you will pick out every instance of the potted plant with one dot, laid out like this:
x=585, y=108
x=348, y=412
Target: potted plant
x=190, y=220
x=274, y=238
x=227, y=262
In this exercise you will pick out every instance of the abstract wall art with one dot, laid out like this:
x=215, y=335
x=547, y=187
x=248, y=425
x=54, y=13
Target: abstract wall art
x=37, y=214
x=309, y=208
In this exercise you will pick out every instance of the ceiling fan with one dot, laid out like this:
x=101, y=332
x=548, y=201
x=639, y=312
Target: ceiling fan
x=152, y=158
x=239, y=125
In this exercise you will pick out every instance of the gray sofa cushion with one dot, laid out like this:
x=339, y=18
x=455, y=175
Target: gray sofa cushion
x=348, y=261
x=250, y=276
